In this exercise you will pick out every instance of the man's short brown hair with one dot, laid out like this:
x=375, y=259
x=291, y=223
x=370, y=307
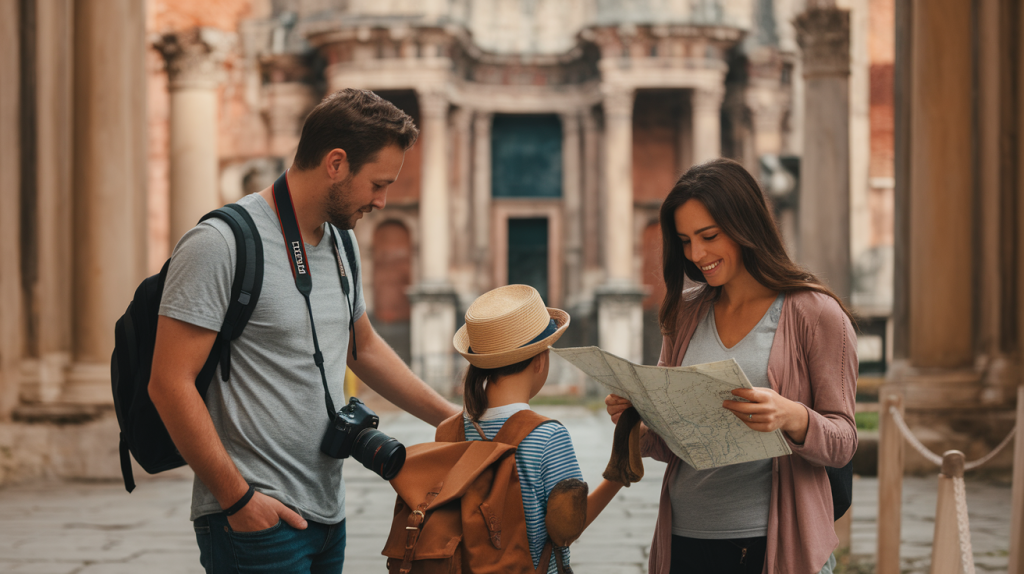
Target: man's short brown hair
x=357, y=121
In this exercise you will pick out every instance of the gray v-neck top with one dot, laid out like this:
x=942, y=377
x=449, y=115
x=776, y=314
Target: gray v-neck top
x=730, y=501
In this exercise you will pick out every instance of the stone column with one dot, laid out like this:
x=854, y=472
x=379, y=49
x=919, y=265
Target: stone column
x=706, y=106
x=194, y=69
x=11, y=343
x=433, y=299
x=824, y=35
x=937, y=370
x=482, y=123
x=591, y=195
x=43, y=373
x=462, y=120
x=619, y=312
x=289, y=99
x=110, y=184
x=571, y=192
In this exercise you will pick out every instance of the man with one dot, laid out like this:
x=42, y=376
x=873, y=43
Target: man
x=263, y=427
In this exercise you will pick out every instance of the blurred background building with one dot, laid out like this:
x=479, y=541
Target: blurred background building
x=551, y=131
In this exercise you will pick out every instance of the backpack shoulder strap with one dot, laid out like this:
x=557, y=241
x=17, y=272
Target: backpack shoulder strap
x=519, y=425
x=451, y=430
x=245, y=288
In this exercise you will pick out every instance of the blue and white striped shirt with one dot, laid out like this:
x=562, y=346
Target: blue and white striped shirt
x=544, y=458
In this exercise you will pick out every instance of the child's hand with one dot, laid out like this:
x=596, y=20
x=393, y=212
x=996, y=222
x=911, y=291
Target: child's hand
x=615, y=405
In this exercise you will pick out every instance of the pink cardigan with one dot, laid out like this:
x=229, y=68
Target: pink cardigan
x=813, y=361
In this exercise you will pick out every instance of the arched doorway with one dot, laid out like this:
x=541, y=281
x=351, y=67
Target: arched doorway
x=392, y=275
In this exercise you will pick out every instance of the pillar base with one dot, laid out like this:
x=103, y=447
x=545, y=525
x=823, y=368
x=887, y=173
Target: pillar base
x=620, y=320
x=88, y=384
x=946, y=410
x=432, y=323
x=43, y=378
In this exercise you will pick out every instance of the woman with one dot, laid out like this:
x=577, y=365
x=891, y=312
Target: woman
x=794, y=340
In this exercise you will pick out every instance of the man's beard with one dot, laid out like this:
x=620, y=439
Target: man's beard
x=341, y=210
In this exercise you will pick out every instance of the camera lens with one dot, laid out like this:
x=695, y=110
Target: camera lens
x=379, y=453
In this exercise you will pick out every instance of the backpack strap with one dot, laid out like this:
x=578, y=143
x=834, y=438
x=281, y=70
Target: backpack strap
x=245, y=290
x=519, y=425
x=451, y=430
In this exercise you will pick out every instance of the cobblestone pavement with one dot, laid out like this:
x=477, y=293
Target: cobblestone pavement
x=96, y=528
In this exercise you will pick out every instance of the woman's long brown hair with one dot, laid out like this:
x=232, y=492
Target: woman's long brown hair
x=738, y=206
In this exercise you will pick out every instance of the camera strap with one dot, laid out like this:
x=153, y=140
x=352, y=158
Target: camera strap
x=303, y=278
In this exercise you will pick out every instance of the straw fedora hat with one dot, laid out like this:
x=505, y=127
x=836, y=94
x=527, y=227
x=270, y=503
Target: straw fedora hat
x=507, y=325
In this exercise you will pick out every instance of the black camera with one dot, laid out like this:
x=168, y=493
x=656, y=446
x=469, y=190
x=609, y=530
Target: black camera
x=353, y=432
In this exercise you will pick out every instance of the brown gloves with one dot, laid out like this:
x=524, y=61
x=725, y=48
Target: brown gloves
x=626, y=465
x=566, y=517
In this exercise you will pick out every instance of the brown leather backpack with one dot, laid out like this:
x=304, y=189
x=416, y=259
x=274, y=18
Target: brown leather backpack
x=459, y=508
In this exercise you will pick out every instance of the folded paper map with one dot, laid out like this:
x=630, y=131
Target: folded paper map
x=684, y=406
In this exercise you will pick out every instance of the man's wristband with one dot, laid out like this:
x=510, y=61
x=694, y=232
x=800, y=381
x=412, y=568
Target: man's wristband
x=241, y=501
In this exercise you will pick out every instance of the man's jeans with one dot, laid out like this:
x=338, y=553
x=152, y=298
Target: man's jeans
x=319, y=549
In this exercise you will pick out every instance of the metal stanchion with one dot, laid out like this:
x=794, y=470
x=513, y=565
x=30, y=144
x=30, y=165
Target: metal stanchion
x=890, y=485
x=946, y=551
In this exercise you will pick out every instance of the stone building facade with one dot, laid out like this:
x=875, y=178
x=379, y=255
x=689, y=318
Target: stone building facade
x=551, y=131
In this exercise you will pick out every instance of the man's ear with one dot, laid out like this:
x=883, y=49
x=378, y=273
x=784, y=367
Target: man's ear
x=336, y=163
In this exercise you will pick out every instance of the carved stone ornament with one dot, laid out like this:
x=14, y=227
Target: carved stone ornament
x=195, y=58
x=707, y=99
x=618, y=101
x=824, y=35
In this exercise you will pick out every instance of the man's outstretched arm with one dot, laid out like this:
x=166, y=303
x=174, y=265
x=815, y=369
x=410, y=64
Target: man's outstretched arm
x=384, y=372
x=181, y=349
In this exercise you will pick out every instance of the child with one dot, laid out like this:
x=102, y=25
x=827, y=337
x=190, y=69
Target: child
x=506, y=338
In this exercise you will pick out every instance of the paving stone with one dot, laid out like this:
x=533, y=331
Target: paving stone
x=97, y=528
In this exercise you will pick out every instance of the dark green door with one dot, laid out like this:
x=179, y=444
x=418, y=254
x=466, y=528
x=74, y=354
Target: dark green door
x=526, y=155
x=528, y=253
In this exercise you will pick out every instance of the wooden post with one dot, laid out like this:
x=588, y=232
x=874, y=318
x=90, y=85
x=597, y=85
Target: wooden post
x=890, y=485
x=1017, y=498
x=946, y=542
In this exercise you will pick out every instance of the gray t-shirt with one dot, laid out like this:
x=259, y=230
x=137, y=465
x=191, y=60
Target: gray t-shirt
x=270, y=414
x=730, y=501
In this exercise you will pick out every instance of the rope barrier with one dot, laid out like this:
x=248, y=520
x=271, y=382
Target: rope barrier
x=959, y=488
x=936, y=459
x=963, y=526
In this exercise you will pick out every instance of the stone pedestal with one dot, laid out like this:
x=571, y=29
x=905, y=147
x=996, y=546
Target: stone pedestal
x=194, y=68
x=824, y=35
x=620, y=321
x=433, y=317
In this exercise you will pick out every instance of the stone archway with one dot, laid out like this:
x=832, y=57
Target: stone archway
x=392, y=276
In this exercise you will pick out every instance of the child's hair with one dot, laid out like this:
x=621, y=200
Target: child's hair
x=474, y=396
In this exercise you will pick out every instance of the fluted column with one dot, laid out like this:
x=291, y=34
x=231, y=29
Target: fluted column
x=571, y=192
x=10, y=208
x=109, y=185
x=618, y=213
x=194, y=68
x=462, y=122
x=289, y=100
x=44, y=371
x=706, y=104
x=433, y=300
x=482, y=123
x=824, y=35
x=619, y=313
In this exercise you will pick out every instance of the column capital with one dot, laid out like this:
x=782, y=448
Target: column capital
x=708, y=98
x=570, y=121
x=824, y=36
x=618, y=100
x=433, y=103
x=195, y=57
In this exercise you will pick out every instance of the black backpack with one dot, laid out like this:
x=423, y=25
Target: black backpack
x=142, y=432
